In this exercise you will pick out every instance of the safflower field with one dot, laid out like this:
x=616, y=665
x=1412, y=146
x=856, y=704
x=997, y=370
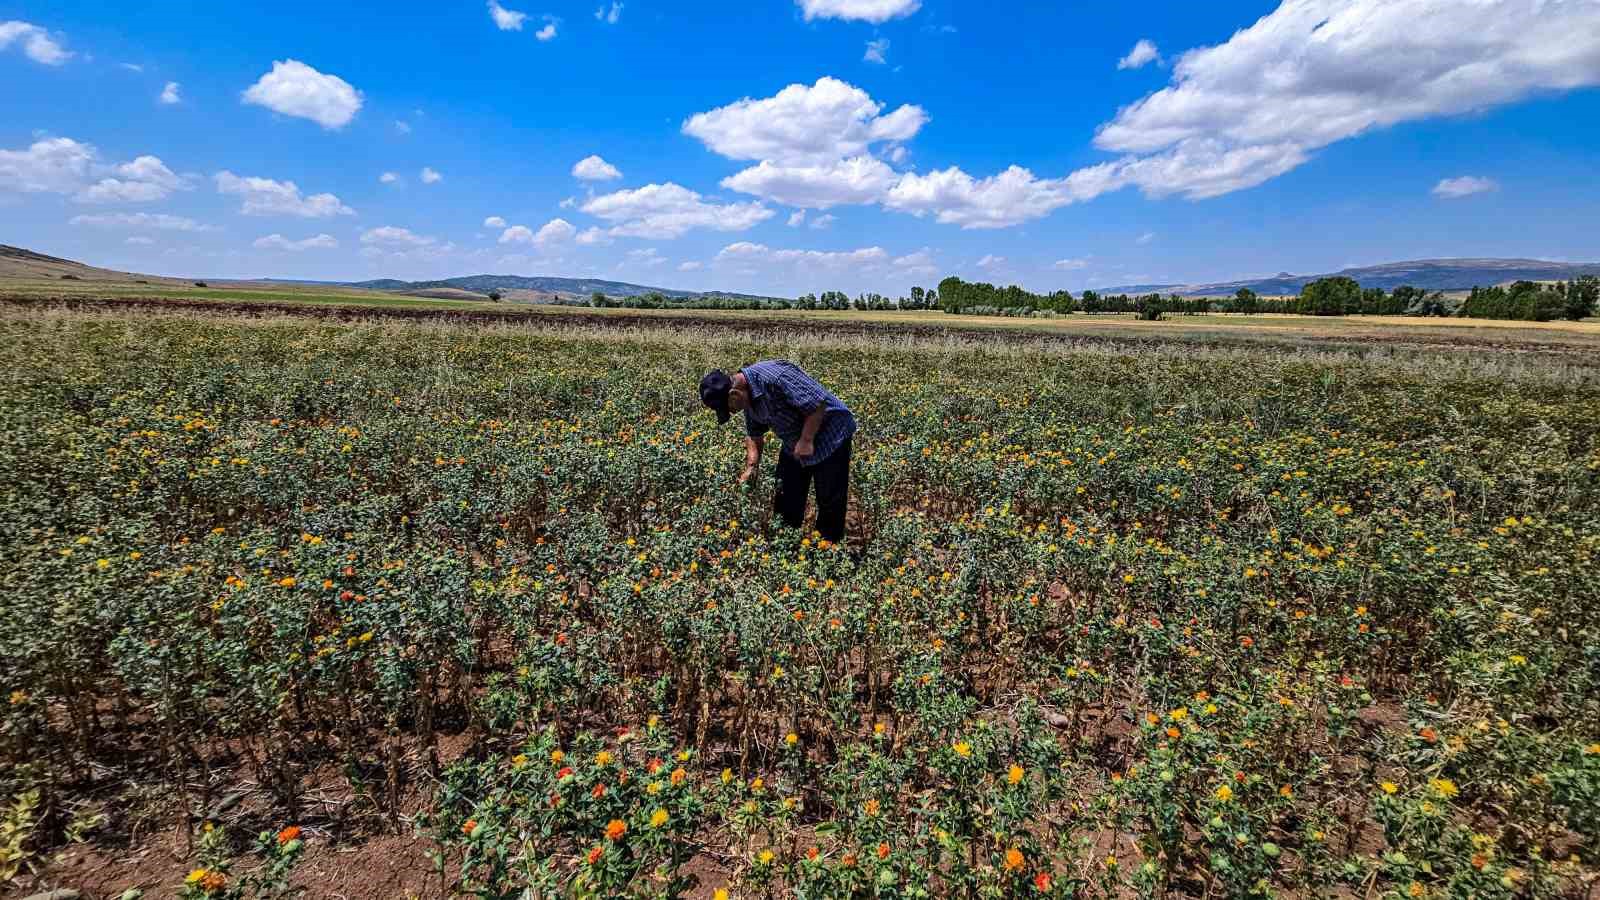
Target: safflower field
x=1113, y=620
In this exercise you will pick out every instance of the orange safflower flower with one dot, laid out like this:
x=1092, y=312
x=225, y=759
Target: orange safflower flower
x=615, y=829
x=883, y=851
x=467, y=828
x=1041, y=881
x=596, y=853
x=288, y=834
x=1013, y=859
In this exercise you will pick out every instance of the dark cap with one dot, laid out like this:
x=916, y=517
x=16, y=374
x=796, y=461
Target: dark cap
x=714, y=393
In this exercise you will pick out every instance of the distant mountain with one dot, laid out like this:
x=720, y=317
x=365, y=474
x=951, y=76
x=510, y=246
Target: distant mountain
x=1428, y=274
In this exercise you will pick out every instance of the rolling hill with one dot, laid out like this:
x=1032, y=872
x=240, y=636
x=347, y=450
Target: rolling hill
x=1428, y=274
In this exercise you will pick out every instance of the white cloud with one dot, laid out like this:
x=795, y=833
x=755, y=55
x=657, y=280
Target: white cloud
x=797, y=218
x=569, y=203
x=610, y=16
x=35, y=41
x=170, y=94
x=548, y=32
x=389, y=178
x=861, y=179
x=66, y=166
x=139, y=241
x=158, y=221
x=1465, y=186
x=1145, y=238
x=919, y=263
x=293, y=88
x=132, y=67
x=594, y=237
x=876, y=51
x=665, y=211
x=998, y=201
x=392, y=236
x=822, y=222
x=402, y=127
x=691, y=266
x=1315, y=72
x=1070, y=265
x=506, y=19
x=279, y=242
x=1142, y=54
x=51, y=165
x=990, y=261
x=266, y=197
x=874, y=11
x=804, y=125
x=494, y=222
x=429, y=176
x=747, y=252
x=593, y=168
x=554, y=231
x=647, y=257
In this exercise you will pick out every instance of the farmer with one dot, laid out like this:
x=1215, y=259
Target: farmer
x=815, y=429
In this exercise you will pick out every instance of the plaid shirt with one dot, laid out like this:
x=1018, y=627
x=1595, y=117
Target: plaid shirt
x=781, y=396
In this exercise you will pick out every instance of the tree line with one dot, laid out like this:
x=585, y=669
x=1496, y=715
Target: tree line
x=1334, y=296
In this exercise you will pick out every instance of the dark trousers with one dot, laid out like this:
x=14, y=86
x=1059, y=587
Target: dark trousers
x=832, y=479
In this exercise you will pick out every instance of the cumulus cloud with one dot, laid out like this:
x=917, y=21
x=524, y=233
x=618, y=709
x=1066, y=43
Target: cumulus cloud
x=266, y=197
x=646, y=257
x=402, y=127
x=804, y=125
x=393, y=236
x=747, y=252
x=494, y=222
x=919, y=263
x=66, y=166
x=429, y=176
x=1145, y=238
x=279, y=242
x=990, y=261
x=548, y=32
x=593, y=168
x=1070, y=265
x=51, y=165
x=506, y=19
x=145, y=179
x=139, y=241
x=609, y=16
x=822, y=222
x=690, y=266
x=170, y=94
x=874, y=11
x=555, y=231
x=36, y=43
x=157, y=221
x=1315, y=72
x=998, y=201
x=593, y=237
x=1465, y=186
x=389, y=178
x=1142, y=54
x=860, y=179
x=876, y=51
x=666, y=211
x=293, y=88
x=797, y=218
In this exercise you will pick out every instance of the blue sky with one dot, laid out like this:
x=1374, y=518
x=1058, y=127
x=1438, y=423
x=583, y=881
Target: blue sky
x=784, y=146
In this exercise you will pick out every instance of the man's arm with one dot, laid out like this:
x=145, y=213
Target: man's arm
x=804, y=447
x=752, y=458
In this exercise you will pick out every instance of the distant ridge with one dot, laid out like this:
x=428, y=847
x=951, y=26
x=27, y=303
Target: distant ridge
x=1428, y=274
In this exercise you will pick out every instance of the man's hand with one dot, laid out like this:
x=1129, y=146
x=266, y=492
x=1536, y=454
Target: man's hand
x=804, y=447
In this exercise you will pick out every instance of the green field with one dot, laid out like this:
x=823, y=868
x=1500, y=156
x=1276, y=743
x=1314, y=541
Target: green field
x=1314, y=616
